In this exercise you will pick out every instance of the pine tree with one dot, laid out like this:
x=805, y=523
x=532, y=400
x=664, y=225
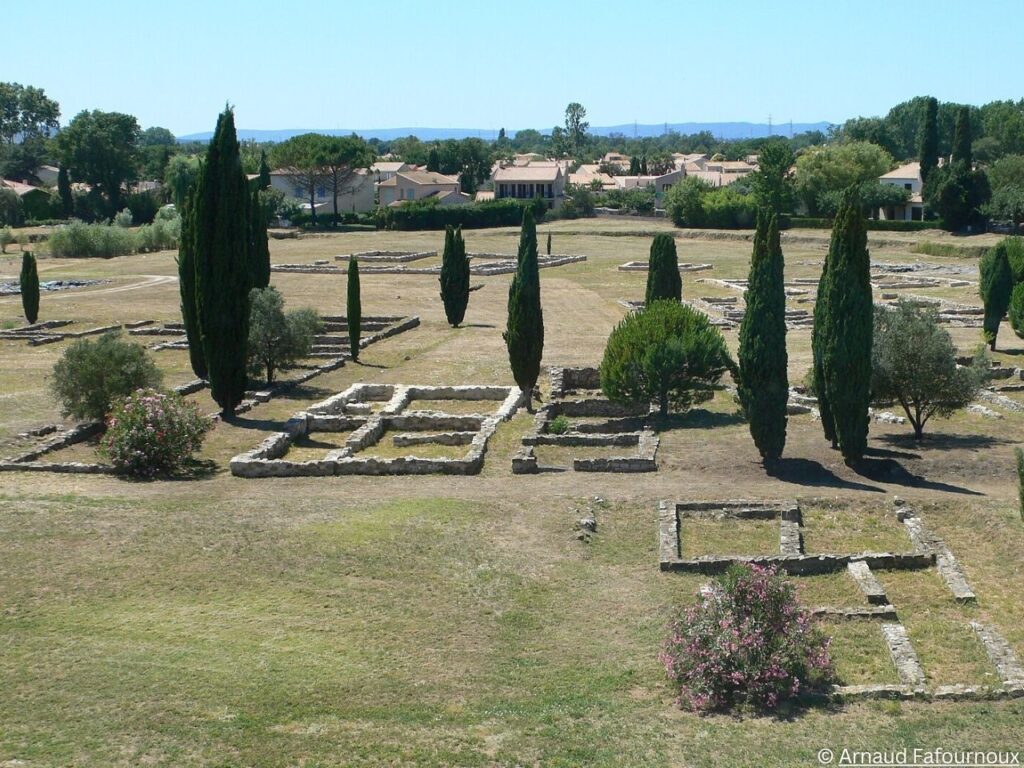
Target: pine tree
x=763, y=381
x=962, y=138
x=67, y=200
x=663, y=278
x=187, y=287
x=842, y=348
x=263, y=180
x=354, y=308
x=222, y=246
x=454, y=276
x=260, y=242
x=524, y=334
x=29, y=285
x=996, y=289
x=433, y=160
x=930, y=139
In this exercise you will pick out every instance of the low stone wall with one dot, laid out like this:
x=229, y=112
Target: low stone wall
x=77, y=434
x=393, y=256
x=433, y=438
x=643, y=266
x=493, y=268
x=565, y=381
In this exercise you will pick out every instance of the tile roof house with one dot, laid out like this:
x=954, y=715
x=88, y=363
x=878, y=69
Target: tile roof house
x=384, y=169
x=356, y=198
x=419, y=185
x=909, y=177
x=546, y=182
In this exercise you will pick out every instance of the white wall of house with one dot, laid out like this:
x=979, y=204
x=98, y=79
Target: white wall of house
x=358, y=198
x=406, y=189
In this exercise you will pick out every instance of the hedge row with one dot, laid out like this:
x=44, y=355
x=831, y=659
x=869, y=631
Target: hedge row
x=879, y=225
x=492, y=213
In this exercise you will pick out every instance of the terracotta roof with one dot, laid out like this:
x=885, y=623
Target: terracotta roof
x=388, y=166
x=420, y=177
x=908, y=171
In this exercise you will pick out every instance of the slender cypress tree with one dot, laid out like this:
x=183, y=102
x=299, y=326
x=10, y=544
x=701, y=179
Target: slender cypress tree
x=433, y=160
x=67, y=200
x=454, y=276
x=996, y=289
x=263, y=181
x=524, y=333
x=818, y=333
x=634, y=166
x=187, y=286
x=962, y=138
x=930, y=138
x=549, y=243
x=843, y=348
x=29, y=285
x=663, y=278
x=354, y=308
x=222, y=245
x=260, y=242
x=763, y=381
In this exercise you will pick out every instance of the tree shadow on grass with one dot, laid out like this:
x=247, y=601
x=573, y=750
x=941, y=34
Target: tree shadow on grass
x=941, y=441
x=370, y=365
x=891, y=471
x=697, y=418
x=478, y=325
x=812, y=473
x=260, y=425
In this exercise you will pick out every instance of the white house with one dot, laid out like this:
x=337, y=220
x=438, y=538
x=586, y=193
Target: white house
x=909, y=177
x=357, y=197
x=384, y=169
x=546, y=182
x=419, y=185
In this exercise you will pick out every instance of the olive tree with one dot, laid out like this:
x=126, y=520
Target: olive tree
x=277, y=339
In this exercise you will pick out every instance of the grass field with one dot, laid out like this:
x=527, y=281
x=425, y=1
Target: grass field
x=457, y=620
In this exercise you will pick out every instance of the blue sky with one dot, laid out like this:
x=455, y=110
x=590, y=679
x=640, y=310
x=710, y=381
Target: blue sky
x=486, y=64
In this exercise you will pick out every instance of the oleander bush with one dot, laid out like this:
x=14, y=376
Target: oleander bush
x=151, y=433
x=746, y=643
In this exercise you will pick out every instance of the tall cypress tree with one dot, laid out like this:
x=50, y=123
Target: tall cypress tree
x=260, y=243
x=187, y=286
x=524, y=333
x=962, y=138
x=354, y=307
x=549, y=243
x=818, y=333
x=763, y=381
x=996, y=289
x=263, y=181
x=29, y=285
x=930, y=138
x=454, y=276
x=843, y=348
x=433, y=160
x=663, y=278
x=222, y=246
x=67, y=200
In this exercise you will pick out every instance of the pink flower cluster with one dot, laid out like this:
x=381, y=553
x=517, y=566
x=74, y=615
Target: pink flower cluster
x=151, y=433
x=746, y=642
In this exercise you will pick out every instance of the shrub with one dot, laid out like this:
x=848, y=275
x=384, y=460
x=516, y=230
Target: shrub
x=725, y=208
x=559, y=425
x=80, y=240
x=747, y=642
x=427, y=214
x=683, y=202
x=123, y=219
x=150, y=433
x=6, y=238
x=277, y=339
x=668, y=353
x=144, y=207
x=91, y=375
x=11, y=209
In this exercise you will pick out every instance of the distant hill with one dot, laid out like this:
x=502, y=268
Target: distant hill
x=719, y=130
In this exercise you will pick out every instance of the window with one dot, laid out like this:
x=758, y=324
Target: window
x=300, y=192
x=908, y=186
x=321, y=192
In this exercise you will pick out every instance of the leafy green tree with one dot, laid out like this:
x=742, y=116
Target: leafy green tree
x=930, y=138
x=179, y=176
x=663, y=278
x=340, y=159
x=454, y=276
x=763, y=384
x=995, y=288
x=187, y=287
x=913, y=363
x=354, y=308
x=67, y=200
x=299, y=162
x=92, y=374
x=101, y=149
x=277, y=339
x=524, y=332
x=576, y=128
x=222, y=249
x=771, y=183
x=958, y=195
x=26, y=111
x=260, y=247
x=263, y=182
x=834, y=167
x=29, y=285
x=668, y=354
x=684, y=202
x=841, y=341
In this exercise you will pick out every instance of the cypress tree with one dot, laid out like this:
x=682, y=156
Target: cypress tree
x=524, y=333
x=962, y=138
x=763, y=381
x=817, y=350
x=643, y=165
x=634, y=166
x=260, y=243
x=663, y=278
x=67, y=200
x=222, y=246
x=29, y=285
x=996, y=288
x=843, y=344
x=454, y=276
x=263, y=181
x=354, y=308
x=187, y=286
x=433, y=160
x=549, y=243
x=930, y=139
